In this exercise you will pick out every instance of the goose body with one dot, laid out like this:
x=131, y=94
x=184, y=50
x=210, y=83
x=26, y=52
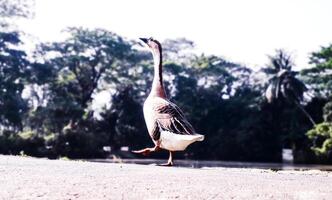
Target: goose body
x=165, y=121
x=167, y=125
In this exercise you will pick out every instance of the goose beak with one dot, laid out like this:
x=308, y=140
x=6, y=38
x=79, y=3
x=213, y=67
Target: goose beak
x=144, y=40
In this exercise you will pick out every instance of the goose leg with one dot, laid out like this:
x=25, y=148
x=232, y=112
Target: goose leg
x=147, y=151
x=170, y=160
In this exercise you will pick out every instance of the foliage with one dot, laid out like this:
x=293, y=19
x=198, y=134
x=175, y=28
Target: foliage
x=284, y=86
x=63, y=84
x=13, y=74
x=320, y=76
x=219, y=101
x=13, y=9
x=328, y=112
x=27, y=143
x=76, y=69
x=217, y=96
x=321, y=137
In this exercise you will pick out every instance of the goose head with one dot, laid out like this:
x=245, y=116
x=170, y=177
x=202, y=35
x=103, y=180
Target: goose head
x=154, y=45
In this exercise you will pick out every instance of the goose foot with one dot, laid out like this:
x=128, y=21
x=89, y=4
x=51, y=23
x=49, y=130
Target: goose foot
x=169, y=162
x=146, y=151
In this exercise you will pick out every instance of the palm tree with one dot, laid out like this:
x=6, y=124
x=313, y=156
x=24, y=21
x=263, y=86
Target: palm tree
x=284, y=85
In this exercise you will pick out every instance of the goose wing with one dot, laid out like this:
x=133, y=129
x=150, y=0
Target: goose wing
x=169, y=117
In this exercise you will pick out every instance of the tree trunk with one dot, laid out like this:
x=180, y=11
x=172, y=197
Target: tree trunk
x=305, y=112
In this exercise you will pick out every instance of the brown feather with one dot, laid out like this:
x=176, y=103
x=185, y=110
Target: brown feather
x=169, y=117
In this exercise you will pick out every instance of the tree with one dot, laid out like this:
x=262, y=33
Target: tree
x=80, y=66
x=12, y=9
x=16, y=8
x=68, y=76
x=15, y=71
x=179, y=50
x=321, y=136
x=14, y=65
x=13, y=75
x=319, y=77
x=220, y=101
x=284, y=85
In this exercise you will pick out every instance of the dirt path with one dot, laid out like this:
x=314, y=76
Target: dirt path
x=29, y=178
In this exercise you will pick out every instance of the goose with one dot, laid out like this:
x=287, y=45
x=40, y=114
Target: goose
x=166, y=124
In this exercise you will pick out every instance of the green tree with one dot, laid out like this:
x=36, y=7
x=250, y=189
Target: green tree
x=71, y=73
x=219, y=99
x=14, y=65
x=81, y=65
x=319, y=78
x=13, y=9
x=321, y=136
x=284, y=85
x=16, y=8
x=15, y=71
x=13, y=74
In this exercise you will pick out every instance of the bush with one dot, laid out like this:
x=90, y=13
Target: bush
x=321, y=137
x=27, y=143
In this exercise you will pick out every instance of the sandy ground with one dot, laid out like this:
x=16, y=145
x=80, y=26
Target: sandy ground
x=30, y=178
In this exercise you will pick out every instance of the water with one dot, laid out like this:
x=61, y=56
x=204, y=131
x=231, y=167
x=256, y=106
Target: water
x=228, y=164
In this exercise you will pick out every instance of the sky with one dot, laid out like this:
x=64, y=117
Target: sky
x=242, y=31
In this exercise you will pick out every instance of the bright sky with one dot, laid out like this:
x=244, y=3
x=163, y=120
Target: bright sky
x=243, y=31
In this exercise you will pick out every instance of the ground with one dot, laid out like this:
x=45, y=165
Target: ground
x=31, y=178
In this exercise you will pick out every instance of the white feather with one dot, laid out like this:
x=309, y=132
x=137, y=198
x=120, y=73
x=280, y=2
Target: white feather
x=177, y=142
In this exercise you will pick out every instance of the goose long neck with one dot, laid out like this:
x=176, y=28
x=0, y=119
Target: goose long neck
x=157, y=84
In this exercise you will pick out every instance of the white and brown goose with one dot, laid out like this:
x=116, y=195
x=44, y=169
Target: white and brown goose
x=165, y=122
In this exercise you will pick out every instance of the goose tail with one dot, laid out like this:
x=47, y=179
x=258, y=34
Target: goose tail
x=199, y=137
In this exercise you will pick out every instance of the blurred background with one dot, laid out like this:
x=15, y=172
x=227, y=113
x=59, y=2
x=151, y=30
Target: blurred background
x=255, y=77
